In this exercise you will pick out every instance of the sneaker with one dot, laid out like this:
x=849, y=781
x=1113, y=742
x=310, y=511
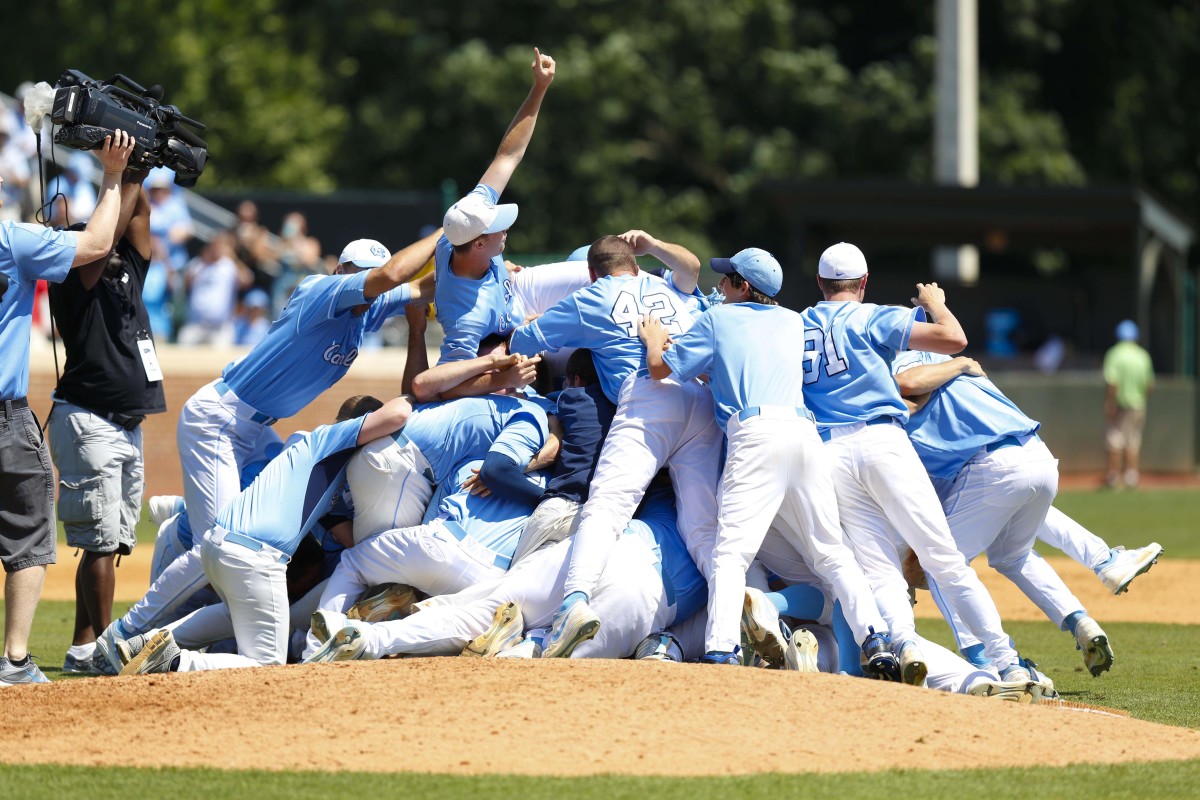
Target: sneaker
x=1012, y=691
x=801, y=652
x=325, y=623
x=348, y=644
x=1124, y=565
x=508, y=626
x=1132, y=478
x=569, y=630
x=526, y=648
x=760, y=627
x=388, y=602
x=101, y=666
x=720, y=657
x=1097, y=652
x=78, y=666
x=1015, y=672
x=106, y=647
x=12, y=675
x=878, y=661
x=913, y=668
x=158, y=654
x=659, y=647
x=162, y=507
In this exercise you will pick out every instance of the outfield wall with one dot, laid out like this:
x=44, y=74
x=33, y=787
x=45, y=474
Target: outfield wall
x=1069, y=406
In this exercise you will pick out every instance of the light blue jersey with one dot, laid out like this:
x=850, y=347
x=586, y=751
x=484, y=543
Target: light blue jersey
x=695, y=301
x=312, y=344
x=746, y=351
x=494, y=522
x=471, y=310
x=295, y=489
x=961, y=418
x=655, y=524
x=848, y=352
x=28, y=253
x=604, y=317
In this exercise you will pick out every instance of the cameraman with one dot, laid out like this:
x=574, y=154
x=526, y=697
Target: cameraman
x=27, y=540
x=110, y=382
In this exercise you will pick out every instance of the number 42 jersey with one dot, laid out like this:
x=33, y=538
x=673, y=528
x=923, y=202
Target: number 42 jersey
x=604, y=317
x=848, y=352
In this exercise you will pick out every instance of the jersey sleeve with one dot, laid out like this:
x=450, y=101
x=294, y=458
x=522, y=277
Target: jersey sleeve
x=523, y=435
x=890, y=326
x=462, y=340
x=323, y=297
x=388, y=305
x=691, y=354
x=41, y=253
x=559, y=327
x=916, y=358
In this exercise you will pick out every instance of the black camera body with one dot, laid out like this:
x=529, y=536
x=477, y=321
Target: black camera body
x=88, y=110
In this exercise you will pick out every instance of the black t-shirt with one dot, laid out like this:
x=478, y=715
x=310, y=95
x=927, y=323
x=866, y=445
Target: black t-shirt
x=100, y=328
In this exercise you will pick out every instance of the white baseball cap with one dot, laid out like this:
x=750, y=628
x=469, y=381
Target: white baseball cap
x=476, y=215
x=365, y=253
x=842, y=262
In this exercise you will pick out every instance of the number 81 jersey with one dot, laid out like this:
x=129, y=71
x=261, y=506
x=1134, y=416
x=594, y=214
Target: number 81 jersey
x=848, y=352
x=604, y=317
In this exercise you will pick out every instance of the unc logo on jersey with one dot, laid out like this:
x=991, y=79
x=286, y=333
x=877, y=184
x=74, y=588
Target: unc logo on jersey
x=334, y=355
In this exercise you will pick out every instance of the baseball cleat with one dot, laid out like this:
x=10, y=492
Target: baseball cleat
x=508, y=626
x=157, y=654
x=325, y=623
x=1093, y=641
x=878, y=661
x=162, y=507
x=801, y=652
x=526, y=648
x=569, y=630
x=913, y=668
x=760, y=627
x=1015, y=672
x=106, y=647
x=348, y=644
x=389, y=602
x=721, y=657
x=658, y=647
x=1046, y=688
x=127, y=649
x=1124, y=565
x=80, y=666
x=1012, y=691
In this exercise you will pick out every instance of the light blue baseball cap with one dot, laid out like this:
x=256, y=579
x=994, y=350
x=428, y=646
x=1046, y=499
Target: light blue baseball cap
x=1127, y=331
x=580, y=253
x=757, y=266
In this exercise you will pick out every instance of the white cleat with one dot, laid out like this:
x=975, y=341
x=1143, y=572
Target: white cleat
x=801, y=652
x=760, y=627
x=1012, y=691
x=162, y=507
x=570, y=630
x=325, y=623
x=1093, y=641
x=508, y=626
x=1125, y=565
x=107, y=646
x=526, y=648
x=348, y=644
x=660, y=646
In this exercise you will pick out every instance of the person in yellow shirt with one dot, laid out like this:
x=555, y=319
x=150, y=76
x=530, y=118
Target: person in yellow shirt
x=1129, y=374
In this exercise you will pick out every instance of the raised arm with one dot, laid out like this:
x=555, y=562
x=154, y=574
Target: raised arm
x=96, y=240
x=943, y=335
x=927, y=378
x=683, y=263
x=401, y=267
x=520, y=130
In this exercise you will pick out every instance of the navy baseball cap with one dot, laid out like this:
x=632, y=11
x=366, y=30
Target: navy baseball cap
x=758, y=267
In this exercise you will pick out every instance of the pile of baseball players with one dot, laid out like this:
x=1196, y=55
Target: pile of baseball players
x=716, y=478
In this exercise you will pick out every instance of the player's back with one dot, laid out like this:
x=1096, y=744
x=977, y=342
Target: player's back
x=848, y=351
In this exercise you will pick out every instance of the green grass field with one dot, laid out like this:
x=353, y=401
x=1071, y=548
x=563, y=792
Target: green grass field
x=1156, y=677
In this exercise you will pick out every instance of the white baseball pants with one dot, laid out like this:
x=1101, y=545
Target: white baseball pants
x=391, y=483
x=657, y=423
x=629, y=598
x=777, y=466
x=1076, y=541
x=882, y=491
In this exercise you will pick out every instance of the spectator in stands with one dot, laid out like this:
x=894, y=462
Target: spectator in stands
x=299, y=257
x=1129, y=375
x=213, y=281
x=170, y=220
x=255, y=247
x=14, y=166
x=255, y=318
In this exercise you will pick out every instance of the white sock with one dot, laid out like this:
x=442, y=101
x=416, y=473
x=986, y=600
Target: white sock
x=81, y=652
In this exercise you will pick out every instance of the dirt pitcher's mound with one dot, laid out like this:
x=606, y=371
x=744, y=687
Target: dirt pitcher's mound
x=457, y=715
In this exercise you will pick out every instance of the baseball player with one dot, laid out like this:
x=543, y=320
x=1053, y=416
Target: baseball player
x=881, y=486
x=649, y=581
x=475, y=294
x=775, y=463
x=1116, y=567
x=245, y=553
x=996, y=480
x=657, y=423
x=308, y=349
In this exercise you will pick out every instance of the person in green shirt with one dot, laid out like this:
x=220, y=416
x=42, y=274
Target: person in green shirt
x=1130, y=377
